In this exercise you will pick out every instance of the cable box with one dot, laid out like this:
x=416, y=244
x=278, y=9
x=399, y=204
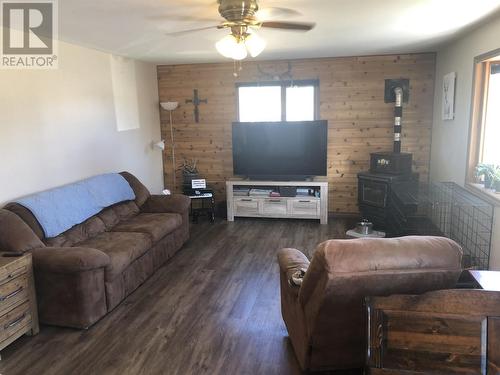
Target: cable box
x=288, y=191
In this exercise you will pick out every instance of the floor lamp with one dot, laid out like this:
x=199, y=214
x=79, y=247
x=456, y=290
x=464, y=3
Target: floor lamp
x=170, y=106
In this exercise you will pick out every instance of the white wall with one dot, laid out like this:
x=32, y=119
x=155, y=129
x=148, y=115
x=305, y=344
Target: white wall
x=450, y=138
x=59, y=126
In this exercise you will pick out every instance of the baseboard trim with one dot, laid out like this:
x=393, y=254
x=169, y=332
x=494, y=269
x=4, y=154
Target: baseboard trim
x=344, y=215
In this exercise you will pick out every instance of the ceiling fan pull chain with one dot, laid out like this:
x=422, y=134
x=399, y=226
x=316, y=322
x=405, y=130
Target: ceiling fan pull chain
x=235, y=70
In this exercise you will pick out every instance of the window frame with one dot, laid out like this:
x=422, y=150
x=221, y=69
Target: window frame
x=480, y=85
x=284, y=84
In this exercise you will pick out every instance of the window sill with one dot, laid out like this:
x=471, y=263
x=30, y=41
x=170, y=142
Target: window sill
x=487, y=194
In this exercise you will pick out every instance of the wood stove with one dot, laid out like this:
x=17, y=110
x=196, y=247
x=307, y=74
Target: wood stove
x=379, y=190
x=379, y=199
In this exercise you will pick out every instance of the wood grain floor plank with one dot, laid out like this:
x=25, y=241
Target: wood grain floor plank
x=214, y=308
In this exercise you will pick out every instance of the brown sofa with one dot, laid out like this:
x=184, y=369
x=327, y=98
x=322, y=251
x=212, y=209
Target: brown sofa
x=85, y=272
x=325, y=317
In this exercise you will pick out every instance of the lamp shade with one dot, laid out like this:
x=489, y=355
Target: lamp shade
x=229, y=47
x=160, y=145
x=169, y=106
x=255, y=44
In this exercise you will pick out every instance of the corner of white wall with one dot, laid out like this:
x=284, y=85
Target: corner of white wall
x=60, y=126
x=450, y=138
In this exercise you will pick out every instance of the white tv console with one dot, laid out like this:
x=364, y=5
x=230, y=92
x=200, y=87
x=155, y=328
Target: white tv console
x=299, y=207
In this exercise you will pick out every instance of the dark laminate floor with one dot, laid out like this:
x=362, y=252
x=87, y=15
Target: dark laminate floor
x=212, y=309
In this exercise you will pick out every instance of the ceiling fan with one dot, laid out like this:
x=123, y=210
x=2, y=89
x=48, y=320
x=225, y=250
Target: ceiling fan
x=243, y=17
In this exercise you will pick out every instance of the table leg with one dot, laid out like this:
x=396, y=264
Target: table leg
x=212, y=201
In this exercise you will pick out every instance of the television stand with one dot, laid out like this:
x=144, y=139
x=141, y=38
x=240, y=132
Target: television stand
x=301, y=206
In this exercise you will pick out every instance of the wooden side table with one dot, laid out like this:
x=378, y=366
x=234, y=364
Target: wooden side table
x=18, y=309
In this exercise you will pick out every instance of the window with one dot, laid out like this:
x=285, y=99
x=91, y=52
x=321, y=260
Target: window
x=485, y=117
x=260, y=103
x=491, y=151
x=278, y=101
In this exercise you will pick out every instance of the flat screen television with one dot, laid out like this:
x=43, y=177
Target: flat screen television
x=280, y=150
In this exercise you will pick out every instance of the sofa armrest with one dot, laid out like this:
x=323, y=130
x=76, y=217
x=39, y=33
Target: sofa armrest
x=68, y=259
x=292, y=261
x=15, y=234
x=176, y=203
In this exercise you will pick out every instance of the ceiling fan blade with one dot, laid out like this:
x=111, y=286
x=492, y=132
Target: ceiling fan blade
x=294, y=26
x=276, y=12
x=182, y=18
x=183, y=32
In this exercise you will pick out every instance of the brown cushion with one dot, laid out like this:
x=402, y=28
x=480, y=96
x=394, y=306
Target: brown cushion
x=79, y=233
x=15, y=234
x=118, y=212
x=141, y=191
x=402, y=253
x=68, y=259
x=155, y=225
x=121, y=248
x=175, y=203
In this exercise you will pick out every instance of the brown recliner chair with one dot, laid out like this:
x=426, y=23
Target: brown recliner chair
x=325, y=316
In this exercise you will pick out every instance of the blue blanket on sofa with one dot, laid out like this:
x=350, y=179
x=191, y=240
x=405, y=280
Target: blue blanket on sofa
x=59, y=209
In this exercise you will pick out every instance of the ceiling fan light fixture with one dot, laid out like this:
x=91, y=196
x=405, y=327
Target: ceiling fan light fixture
x=255, y=44
x=231, y=48
x=239, y=51
x=225, y=46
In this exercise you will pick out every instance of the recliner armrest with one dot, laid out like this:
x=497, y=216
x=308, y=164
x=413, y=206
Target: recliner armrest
x=291, y=261
x=68, y=259
x=176, y=203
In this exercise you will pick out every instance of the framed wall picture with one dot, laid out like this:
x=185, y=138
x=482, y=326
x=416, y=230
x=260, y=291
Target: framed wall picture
x=449, y=96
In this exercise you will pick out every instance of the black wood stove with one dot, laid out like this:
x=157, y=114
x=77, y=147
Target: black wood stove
x=387, y=199
x=385, y=193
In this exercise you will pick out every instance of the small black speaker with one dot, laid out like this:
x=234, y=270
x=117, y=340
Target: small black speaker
x=288, y=191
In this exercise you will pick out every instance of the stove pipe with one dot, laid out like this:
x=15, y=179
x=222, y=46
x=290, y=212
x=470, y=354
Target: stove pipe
x=398, y=115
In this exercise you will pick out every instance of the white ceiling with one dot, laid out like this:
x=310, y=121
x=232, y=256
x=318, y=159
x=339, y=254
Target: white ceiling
x=137, y=28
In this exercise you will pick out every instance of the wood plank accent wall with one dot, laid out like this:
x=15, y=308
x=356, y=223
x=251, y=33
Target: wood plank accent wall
x=351, y=99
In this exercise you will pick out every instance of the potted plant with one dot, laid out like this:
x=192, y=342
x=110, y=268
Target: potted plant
x=486, y=173
x=496, y=180
x=189, y=170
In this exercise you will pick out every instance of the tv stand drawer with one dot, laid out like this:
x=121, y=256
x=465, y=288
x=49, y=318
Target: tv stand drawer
x=274, y=206
x=246, y=206
x=305, y=207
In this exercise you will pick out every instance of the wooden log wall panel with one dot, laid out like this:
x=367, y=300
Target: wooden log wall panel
x=493, y=345
x=351, y=99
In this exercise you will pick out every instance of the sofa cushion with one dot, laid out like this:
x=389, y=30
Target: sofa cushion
x=155, y=225
x=122, y=249
x=119, y=212
x=79, y=233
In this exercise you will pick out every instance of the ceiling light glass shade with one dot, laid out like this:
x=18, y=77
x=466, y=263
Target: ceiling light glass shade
x=225, y=46
x=255, y=44
x=239, y=51
x=230, y=48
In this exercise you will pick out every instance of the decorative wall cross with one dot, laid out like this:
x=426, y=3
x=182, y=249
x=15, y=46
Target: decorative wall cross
x=196, y=102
